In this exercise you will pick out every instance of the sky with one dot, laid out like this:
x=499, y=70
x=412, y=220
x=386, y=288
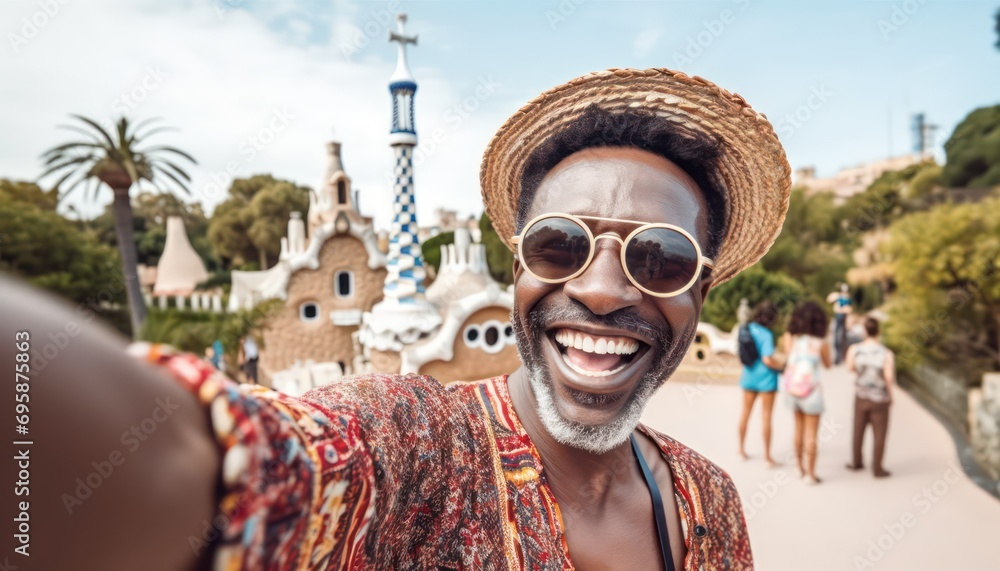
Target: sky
x=256, y=86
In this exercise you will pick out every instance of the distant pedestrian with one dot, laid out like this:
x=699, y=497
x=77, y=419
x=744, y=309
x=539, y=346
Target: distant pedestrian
x=842, y=307
x=218, y=356
x=760, y=372
x=249, y=353
x=875, y=366
x=806, y=347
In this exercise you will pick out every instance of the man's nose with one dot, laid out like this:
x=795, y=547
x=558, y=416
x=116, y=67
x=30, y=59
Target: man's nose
x=603, y=287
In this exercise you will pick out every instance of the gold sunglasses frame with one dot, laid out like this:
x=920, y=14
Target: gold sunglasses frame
x=703, y=261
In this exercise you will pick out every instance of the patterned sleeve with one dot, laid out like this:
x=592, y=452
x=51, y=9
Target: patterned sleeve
x=298, y=475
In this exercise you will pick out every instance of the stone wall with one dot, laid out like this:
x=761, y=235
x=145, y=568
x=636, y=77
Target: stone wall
x=984, y=424
x=287, y=338
x=950, y=393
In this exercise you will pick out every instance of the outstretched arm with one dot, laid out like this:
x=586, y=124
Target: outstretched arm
x=123, y=467
x=128, y=472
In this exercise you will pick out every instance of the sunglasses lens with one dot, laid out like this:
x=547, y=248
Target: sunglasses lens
x=661, y=260
x=555, y=248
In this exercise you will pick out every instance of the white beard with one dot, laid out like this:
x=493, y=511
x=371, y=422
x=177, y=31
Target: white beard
x=593, y=439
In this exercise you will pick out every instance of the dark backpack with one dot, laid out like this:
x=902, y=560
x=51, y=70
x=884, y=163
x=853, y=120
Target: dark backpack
x=747, y=347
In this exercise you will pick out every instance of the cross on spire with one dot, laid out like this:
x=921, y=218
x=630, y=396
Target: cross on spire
x=402, y=72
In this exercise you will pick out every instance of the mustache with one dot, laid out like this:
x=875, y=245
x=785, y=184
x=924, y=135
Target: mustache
x=628, y=319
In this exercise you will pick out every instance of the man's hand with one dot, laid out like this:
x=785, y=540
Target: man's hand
x=123, y=466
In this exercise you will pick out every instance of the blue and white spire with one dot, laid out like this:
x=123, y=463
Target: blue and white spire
x=402, y=86
x=404, y=316
x=405, y=280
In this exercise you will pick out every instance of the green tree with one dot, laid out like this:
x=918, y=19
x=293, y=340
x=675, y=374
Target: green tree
x=997, y=28
x=946, y=309
x=973, y=151
x=809, y=248
x=52, y=252
x=431, y=248
x=498, y=257
x=886, y=199
x=119, y=163
x=756, y=285
x=193, y=331
x=248, y=226
x=149, y=224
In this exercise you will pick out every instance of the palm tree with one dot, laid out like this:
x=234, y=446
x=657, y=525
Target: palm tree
x=119, y=163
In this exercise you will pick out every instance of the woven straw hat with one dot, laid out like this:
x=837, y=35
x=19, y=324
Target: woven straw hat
x=752, y=171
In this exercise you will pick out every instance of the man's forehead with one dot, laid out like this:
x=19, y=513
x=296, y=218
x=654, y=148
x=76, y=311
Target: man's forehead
x=621, y=182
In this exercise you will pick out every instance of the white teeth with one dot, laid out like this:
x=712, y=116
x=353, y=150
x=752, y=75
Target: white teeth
x=595, y=344
x=601, y=347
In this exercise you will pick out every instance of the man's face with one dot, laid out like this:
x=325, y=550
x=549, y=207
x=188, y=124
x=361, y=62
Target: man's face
x=586, y=399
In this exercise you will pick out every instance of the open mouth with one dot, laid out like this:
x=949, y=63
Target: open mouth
x=596, y=355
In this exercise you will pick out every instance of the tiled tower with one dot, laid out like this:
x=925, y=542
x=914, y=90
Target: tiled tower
x=404, y=315
x=405, y=281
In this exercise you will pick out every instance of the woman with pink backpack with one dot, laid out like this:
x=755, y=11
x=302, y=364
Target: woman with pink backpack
x=805, y=344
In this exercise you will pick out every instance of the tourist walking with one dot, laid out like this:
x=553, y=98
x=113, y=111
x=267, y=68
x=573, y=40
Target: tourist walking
x=841, y=302
x=218, y=355
x=249, y=353
x=806, y=347
x=760, y=373
x=875, y=366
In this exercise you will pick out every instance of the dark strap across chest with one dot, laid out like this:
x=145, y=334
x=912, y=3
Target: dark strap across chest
x=658, y=513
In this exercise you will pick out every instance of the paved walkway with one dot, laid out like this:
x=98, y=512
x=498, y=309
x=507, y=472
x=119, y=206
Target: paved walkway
x=927, y=515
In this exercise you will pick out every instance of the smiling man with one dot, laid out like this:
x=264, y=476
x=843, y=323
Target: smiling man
x=627, y=195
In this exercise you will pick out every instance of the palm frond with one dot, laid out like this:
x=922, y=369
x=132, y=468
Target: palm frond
x=171, y=176
x=130, y=169
x=63, y=179
x=99, y=155
x=71, y=145
x=82, y=131
x=169, y=149
x=63, y=157
x=95, y=185
x=98, y=128
x=82, y=179
x=142, y=136
x=68, y=163
x=124, y=142
x=178, y=170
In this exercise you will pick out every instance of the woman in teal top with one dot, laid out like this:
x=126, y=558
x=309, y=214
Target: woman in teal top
x=760, y=378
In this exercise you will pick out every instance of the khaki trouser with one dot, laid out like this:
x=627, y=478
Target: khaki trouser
x=877, y=414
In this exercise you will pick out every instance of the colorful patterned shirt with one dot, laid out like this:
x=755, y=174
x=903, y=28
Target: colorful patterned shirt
x=399, y=472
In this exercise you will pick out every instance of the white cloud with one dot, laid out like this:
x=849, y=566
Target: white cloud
x=221, y=81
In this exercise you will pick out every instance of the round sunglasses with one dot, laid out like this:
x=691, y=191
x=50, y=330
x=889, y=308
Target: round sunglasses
x=662, y=260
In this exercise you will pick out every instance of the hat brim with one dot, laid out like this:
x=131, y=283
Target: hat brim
x=751, y=169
